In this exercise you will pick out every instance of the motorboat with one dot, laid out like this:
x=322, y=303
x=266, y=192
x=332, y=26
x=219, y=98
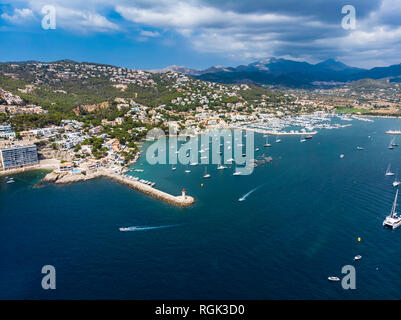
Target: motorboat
x=333, y=278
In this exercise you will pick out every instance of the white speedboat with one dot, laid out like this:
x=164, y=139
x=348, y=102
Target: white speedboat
x=358, y=257
x=236, y=173
x=341, y=156
x=123, y=229
x=393, y=221
x=359, y=148
x=10, y=181
x=221, y=167
x=333, y=278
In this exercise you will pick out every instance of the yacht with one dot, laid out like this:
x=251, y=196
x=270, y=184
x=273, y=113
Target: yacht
x=267, y=144
x=308, y=137
x=396, y=182
x=388, y=171
x=206, y=175
x=393, y=220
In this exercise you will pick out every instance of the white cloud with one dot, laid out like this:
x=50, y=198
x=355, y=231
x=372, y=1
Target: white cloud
x=19, y=16
x=184, y=15
x=151, y=34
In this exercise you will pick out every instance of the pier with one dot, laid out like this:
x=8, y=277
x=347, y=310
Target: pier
x=182, y=200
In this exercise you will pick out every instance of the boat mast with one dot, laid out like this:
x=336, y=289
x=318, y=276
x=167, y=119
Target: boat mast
x=394, y=205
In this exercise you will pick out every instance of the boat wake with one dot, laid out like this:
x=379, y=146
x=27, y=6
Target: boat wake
x=246, y=195
x=145, y=228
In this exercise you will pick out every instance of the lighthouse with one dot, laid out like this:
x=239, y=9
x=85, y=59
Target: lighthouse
x=183, y=194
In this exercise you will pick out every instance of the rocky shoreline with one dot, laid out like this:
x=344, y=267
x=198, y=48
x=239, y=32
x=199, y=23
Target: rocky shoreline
x=66, y=178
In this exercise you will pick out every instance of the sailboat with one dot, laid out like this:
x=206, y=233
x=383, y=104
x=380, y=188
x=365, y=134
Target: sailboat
x=391, y=147
x=393, y=220
x=187, y=171
x=278, y=139
x=173, y=168
x=267, y=144
x=388, y=171
x=302, y=139
x=206, y=175
x=396, y=181
x=220, y=166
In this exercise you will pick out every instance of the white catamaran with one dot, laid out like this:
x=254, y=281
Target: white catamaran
x=393, y=220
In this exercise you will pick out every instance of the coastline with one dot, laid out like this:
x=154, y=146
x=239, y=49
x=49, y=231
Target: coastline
x=49, y=164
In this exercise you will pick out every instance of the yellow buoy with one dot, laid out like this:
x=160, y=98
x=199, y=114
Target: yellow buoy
x=359, y=239
x=202, y=185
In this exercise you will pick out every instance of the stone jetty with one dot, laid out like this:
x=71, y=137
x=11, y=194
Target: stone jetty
x=65, y=178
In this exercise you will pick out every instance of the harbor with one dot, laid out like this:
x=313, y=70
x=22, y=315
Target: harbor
x=236, y=222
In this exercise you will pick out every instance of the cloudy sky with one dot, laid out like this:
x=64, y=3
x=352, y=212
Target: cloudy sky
x=199, y=33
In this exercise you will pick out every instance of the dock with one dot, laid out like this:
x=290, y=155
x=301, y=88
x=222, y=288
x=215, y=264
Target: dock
x=182, y=200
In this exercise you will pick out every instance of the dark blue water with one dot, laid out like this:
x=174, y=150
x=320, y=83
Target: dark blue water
x=282, y=242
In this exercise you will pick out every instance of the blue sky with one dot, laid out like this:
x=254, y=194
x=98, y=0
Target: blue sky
x=147, y=34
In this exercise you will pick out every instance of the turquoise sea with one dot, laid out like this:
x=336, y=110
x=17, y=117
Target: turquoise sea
x=298, y=227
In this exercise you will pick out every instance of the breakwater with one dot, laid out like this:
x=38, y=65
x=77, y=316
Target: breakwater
x=65, y=178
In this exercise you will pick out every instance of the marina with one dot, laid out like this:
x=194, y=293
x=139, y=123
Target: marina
x=283, y=220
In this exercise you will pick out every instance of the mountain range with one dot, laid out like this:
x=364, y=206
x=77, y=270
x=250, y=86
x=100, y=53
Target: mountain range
x=290, y=73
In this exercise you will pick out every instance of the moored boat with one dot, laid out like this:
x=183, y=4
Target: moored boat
x=393, y=221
